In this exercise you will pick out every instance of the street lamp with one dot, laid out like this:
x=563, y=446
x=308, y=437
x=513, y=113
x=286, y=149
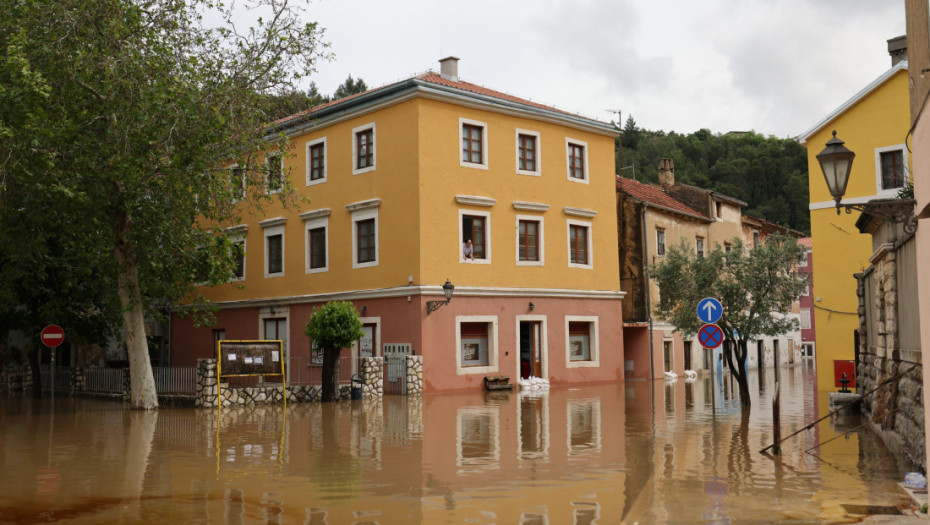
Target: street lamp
x=836, y=163
x=432, y=306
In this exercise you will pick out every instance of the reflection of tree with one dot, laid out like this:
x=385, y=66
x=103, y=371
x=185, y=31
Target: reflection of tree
x=138, y=447
x=333, y=472
x=739, y=458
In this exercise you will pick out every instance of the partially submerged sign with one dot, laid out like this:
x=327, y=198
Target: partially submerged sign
x=250, y=358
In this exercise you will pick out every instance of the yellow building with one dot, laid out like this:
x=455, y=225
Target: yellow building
x=874, y=124
x=424, y=181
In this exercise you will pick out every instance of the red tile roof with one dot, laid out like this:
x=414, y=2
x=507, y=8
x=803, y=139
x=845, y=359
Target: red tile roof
x=654, y=195
x=806, y=242
x=435, y=78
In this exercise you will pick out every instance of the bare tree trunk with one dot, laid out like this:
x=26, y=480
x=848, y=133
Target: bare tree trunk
x=738, y=369
x=330, y=374
x=142, y=391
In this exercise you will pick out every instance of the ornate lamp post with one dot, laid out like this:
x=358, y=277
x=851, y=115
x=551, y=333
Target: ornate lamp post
x=432, y=306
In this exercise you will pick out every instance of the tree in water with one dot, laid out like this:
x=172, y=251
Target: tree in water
x=333, y=327
x=128, y=115
x=756, y=288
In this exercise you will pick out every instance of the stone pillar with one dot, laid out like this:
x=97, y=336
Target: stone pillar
x=414, y=375
x=372, y=374
x=77, y=380
x=206, y=383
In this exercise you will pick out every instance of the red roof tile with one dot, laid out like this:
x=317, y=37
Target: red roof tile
x=806, y=242
x=655, y=195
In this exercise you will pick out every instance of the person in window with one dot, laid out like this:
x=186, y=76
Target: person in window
x=468, y=251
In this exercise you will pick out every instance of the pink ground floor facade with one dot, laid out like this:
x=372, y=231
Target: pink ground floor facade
x=567, y=337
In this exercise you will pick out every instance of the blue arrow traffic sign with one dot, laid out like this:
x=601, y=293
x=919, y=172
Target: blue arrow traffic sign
x=710, y=336
x=709, y=310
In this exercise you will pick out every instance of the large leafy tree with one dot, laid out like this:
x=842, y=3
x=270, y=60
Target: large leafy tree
x=123, y=115
x=333, y=327
x=756, y=287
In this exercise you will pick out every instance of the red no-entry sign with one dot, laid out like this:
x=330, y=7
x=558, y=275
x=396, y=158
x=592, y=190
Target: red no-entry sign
x=52, y=336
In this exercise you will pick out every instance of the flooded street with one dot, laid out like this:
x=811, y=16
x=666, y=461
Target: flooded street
x=627, y=452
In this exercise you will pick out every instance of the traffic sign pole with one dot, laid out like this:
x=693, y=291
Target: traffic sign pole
x=52, y=336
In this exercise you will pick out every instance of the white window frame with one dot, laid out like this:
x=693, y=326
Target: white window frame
x=568, y=167
x=594, y=337
x=664, y=242
x=309, y=145
x=805, y=316
x=484, y=143
x=703, y=244
x=362, y=215
x=374, y=149
x=237, y=235
x=807, y=284
x=516, y=139
x=487, y=236
x=279, y=312
x=568, y=243
x=540, y=236
x=270, y=228
x=280, y=157
x=803, y=262
x=891, y=192
x=313, y=220
x=543, y=321
x=493, y=347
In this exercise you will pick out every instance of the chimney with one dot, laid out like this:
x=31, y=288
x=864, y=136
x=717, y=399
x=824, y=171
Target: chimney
x=666, y=172
x=449, y=68
x=897, y=48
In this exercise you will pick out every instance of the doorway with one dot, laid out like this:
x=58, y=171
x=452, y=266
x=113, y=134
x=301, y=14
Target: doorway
x=760, y=354
x=667, y=355
x=530, y=349
x=687, y=355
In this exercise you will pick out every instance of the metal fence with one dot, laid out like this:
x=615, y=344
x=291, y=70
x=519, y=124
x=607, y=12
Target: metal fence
x=304, y=371
x=105, y=380
x=175, y=379
x=395, y=374
x=62, y=377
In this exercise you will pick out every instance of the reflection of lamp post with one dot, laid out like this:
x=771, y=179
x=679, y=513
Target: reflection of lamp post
x=836, y=163
x=432, y=306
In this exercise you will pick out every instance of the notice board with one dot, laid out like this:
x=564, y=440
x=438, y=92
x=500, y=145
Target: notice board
x=249, y=358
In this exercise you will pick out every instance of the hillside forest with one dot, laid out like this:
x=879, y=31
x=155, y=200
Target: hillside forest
x=769, y=173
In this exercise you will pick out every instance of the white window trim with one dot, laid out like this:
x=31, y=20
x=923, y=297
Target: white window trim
x=484, y=143
x=309, y=145
x=540, y=236
x=487, y=236
x=807, y=284
x=239, y=235
x=595, y=337
x=377, y=352
x=280, y=157
x=568, y=243
x=664, y=244
x=312, y=223
x=361, y=215
x=892, y=192
x=273, y=227
x=493, y=358
x=543, y=343
x=374, y=149
x=568, y=170
x=516, y=139
x=279, y=312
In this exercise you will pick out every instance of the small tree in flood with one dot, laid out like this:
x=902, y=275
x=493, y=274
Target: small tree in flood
x=756, y=288
x=333, y=327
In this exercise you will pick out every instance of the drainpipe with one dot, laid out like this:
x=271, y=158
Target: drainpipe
x=652, y=366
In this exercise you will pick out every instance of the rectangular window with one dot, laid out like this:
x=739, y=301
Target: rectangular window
x=660, y=241
x=316, y=238
x=699, y=246
x=805, y=319
x=275, y=253
x=474, y=349
x=892, y=163
x=474, y=237
x=578, y=239
x=472, y=147
x=579, y=341
x=526, y=152
x=529, y=241
x=755, y=239
x=365, y=239
x=807, y=283
x=577, y=162
x=718, y=207
x=274, y=173
x=238, y=253
x=364, y=142
x=316, y=161
x=237, y=183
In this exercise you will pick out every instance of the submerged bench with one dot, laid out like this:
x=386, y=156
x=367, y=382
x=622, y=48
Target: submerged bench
x=497, y=383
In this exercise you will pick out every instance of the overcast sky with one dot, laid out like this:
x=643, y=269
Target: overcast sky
x=675, y=65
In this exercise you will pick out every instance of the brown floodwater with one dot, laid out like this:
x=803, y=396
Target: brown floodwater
x=627, y=452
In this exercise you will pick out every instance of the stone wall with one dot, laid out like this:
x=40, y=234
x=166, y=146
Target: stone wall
x=414, y=375
x=895, y=410
x=371, y=370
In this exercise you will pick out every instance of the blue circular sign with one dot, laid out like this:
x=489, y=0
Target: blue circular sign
x=710, y=336
x=709, y=310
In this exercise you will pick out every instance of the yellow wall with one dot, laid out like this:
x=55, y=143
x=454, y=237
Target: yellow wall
x=417, y=177
x=878, y=120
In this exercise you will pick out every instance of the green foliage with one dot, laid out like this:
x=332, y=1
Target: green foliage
x=335, y=325
x=350, y=87
x=756, y=288
x=769, y=173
